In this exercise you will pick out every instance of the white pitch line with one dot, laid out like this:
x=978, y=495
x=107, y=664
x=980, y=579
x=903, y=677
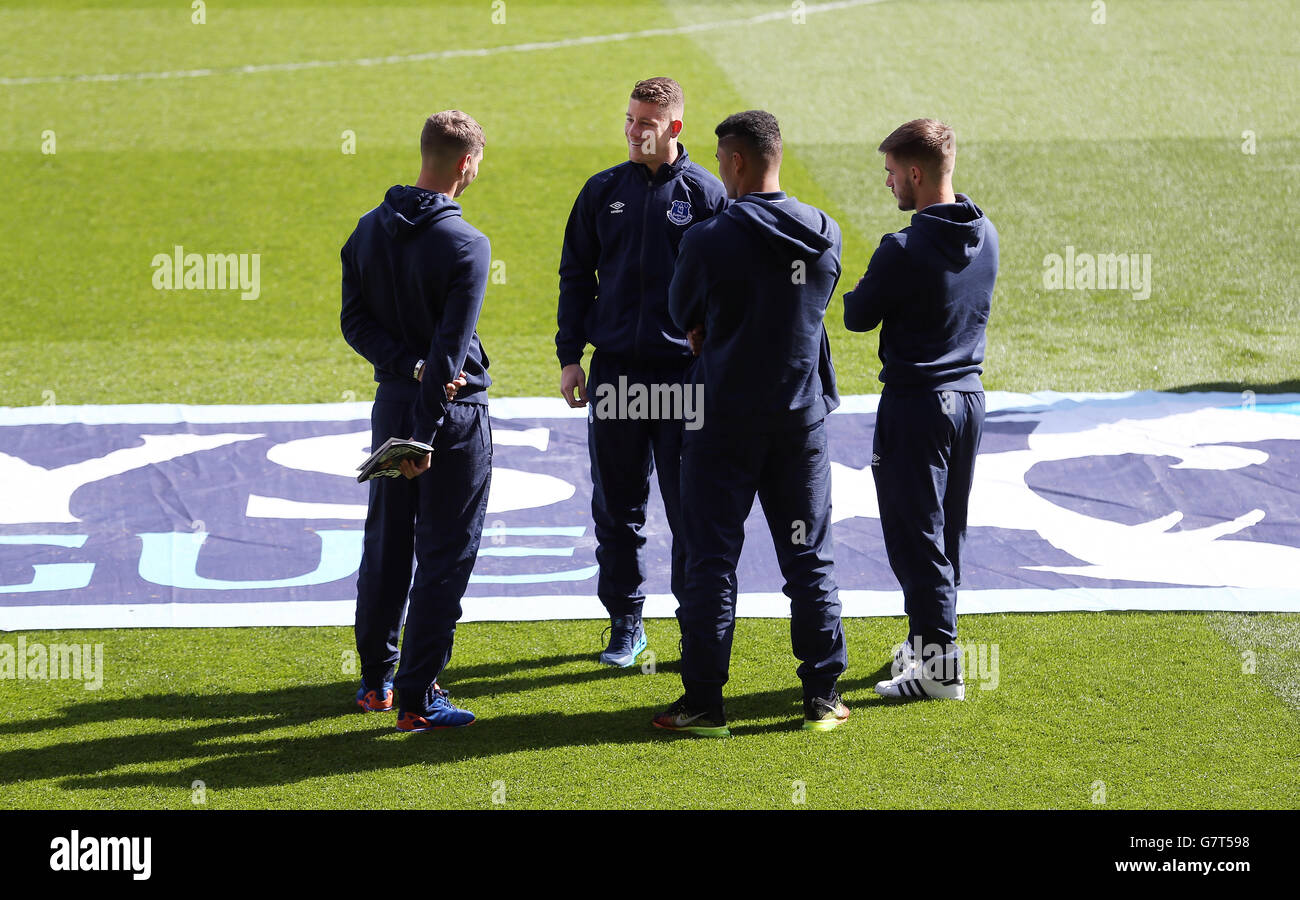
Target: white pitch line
x=774, y=16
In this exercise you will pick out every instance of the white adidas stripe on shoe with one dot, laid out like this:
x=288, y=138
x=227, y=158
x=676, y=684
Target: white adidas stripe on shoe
x=904, y=658
x=913, y=684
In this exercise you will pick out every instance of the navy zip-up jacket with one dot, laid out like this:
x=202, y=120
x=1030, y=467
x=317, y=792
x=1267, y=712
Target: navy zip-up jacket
x=619, y=248
x=931, y=284
x=414, y=276
x=759, y=277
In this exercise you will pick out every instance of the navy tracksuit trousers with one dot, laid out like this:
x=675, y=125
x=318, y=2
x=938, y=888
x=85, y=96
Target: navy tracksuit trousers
x=624, y=453
x=789, y=470
x=434, y=521
x=924, y=463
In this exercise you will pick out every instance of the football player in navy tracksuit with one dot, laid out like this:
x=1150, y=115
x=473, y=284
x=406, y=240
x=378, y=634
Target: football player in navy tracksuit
x=414, y=275
x=751, y=288
x=929, y=287
x=619, y=248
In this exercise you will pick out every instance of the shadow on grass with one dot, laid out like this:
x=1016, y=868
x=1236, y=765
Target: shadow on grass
x=249, y=747
x=1280, y=387
x=480, y=680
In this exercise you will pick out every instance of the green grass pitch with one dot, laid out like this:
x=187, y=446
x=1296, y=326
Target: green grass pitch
x=1169, y=129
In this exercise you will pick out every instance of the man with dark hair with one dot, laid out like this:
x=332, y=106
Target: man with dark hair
x=414, y=276
x=931, y=285
x=751, y=288
x=619, y=248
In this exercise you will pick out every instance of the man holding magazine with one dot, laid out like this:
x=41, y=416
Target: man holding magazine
x=414, y=276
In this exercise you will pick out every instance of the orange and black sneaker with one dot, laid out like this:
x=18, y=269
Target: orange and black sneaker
x=438, y=713
x=700, y=722
x=375, y=701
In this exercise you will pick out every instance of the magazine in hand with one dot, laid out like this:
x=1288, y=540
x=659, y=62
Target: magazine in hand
x=385, y=461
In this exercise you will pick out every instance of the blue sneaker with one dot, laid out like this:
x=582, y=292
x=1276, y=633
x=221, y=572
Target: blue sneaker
x=626, y=641
x=438, y=714
x=375, y=701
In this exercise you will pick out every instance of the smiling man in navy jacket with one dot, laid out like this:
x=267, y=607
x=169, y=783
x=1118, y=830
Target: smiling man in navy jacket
x=414, y=276
x=751, y=288
x=619, y=248
x=929, y=287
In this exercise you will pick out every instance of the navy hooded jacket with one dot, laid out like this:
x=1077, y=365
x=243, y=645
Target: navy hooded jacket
x=414, y=275
x=619, y=248
x=759, y=277
x=931, y=284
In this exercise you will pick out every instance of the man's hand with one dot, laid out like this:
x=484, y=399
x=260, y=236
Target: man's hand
x=452, y=387
x=695, y=337
x=411, y=469
x=573, y=381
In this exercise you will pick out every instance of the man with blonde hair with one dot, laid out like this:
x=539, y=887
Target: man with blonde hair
x=414, y=276
x=929, y=287
x=620, y=246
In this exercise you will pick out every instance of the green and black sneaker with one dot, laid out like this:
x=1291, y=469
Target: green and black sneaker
x=824, y=713
x=701, y=723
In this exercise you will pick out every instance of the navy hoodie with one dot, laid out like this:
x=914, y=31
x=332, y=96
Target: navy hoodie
x=619, y=248
x=759, y=277
x=414, y=275
x=931, y=284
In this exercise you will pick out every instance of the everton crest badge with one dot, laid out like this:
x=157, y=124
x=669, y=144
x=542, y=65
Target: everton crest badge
x=679, y=213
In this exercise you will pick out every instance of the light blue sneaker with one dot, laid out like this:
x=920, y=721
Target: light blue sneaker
x=626, y=641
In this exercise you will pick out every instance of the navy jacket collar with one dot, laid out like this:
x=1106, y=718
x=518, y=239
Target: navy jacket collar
x=668, y=171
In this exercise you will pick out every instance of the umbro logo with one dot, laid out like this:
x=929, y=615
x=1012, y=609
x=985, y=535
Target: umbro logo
x=616, y=207
x=875, y=459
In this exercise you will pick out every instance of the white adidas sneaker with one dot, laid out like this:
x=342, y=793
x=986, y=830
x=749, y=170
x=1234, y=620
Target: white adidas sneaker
x=917, y=681
x=904, y=658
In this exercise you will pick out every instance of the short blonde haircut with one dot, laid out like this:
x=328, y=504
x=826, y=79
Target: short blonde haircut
x=662, y=92
x=927, y=142
x=449, y=135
